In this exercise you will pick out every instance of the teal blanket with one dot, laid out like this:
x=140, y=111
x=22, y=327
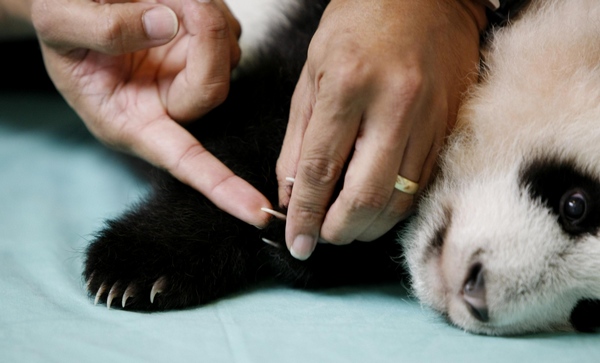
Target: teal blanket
x=58, y=184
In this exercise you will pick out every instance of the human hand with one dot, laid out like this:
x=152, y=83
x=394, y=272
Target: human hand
x=378, y=93
x=135, y=71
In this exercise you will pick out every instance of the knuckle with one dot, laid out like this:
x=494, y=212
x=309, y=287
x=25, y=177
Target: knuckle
x=236, y=54
x=213, y=22
x=232, y=21
x=335, y=236
x=309, y=212
x=320, y=171
x=367, y=202
x=175, y=166
x=235, y=27
x=41, y=19
x=218, y=27
x=408, y=84
x=350, y=76
x=110, y=32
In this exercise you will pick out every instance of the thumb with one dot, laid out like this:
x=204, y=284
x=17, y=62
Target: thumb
x=110, y=28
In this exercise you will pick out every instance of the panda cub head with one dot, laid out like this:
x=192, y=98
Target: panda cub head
x=507, y=238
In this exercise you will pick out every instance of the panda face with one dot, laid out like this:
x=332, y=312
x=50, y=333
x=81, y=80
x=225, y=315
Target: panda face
x=507, y=238
x=512, y=253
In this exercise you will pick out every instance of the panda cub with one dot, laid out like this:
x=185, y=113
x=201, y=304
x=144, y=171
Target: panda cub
x=175, y=249
x=504, y=242
x=507, y=240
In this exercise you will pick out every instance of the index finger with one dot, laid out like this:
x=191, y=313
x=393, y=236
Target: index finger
x=204, y=81
x=168, y=145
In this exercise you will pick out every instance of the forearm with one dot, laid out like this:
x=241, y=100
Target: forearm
x=15, y=19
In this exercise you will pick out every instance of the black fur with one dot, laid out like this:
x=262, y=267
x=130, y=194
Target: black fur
x=203, y=253
x=553, y=181
x=585, y=317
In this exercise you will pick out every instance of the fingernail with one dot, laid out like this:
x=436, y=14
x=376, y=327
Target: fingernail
x=302, y=247
x=160, y=23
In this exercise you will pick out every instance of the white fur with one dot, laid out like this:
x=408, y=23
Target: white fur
x=540, y=98
x=257, y=18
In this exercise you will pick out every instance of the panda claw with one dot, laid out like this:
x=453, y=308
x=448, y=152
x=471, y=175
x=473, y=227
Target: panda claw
x=89, y=281
x=99, y=293
x=114, y=292
x=129, y=292
x=157, y=288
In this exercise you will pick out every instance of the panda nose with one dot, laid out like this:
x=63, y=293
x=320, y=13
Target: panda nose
x=474, y=293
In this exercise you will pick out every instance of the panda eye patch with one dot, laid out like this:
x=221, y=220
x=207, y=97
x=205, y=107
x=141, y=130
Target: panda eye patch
x=567, y=191
x=573, y=206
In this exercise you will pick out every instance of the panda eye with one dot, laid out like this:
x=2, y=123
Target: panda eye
x=574, y=207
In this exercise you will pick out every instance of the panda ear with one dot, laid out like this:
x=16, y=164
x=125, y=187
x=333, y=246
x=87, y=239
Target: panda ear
x=585, y=317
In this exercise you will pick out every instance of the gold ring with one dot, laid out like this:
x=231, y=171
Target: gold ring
x=406, y=186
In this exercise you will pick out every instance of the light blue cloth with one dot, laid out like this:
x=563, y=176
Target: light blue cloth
x=57, y=185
